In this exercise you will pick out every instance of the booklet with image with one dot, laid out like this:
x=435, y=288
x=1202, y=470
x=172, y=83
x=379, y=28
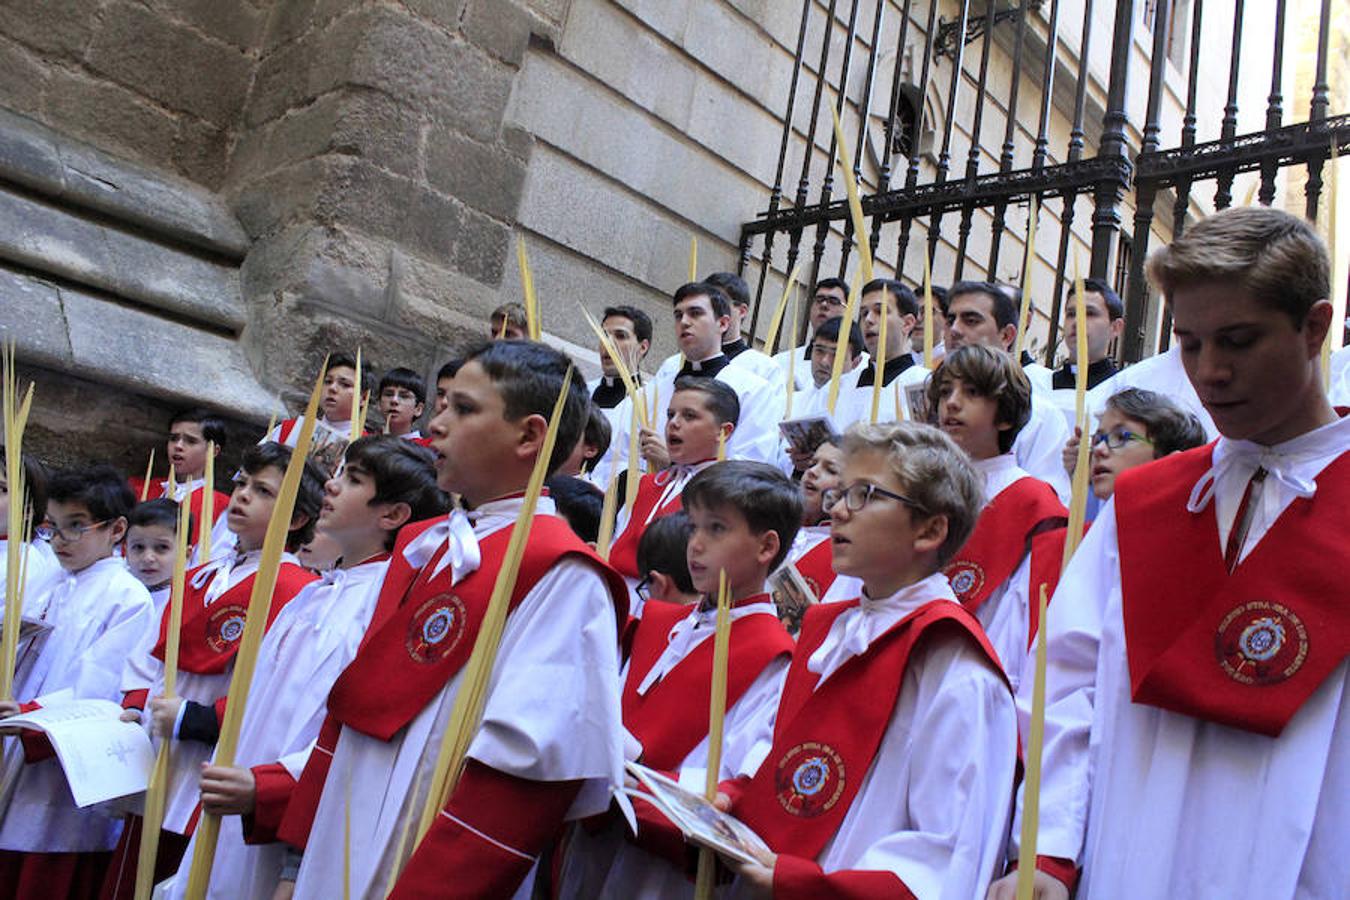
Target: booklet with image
x=698, y=820
x=806, y=434
x=102, y=756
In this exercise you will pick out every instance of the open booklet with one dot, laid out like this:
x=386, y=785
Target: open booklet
x=698, y=820
x=102, y=756
x=804, y=435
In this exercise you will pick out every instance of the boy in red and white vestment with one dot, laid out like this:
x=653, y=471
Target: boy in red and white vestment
x=811, y=553
x=981, y=399
x=550, y=745
x=1202, y=625
x=895, y=743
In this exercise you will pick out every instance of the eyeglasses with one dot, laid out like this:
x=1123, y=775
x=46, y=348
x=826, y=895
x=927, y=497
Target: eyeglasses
x=643, y=589
x=69, y=534
x=829, y=301
x=1118, y=438
x=859, y=494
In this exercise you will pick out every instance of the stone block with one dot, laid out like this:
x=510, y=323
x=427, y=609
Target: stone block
x=144, y=51
x=433, y=224
x=481, y=248
x=50, y=239
x=117, y=119
x=484, y=177
x=378, y=128
x=199, y=151
x=445, y=13
x=22, y=77
x=358, y=195
x=268, y=203
x=62, y=27
x=500, y=27
x=286, y=22
x=308, y=67
x=30, y=315
x=238, y=23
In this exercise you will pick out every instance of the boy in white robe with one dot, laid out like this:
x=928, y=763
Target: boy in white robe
x=385, y=483
x=39, y=562
x=549, y=748
x=1182, y=632
x=97, y=612
x=897, y=303
x=827, y=302
x=895, y=743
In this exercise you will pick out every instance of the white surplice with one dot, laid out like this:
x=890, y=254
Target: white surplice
x=1039, y=446
x=98, y=615
x=1153, y=803
x=606, y=864
x=1163, y=374
x=37, y=562
x=552, y=714
x=310, y=642
x=934, y=806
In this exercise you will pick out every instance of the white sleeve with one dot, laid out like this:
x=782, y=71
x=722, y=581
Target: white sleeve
x=98, y=669
x=1039, y=446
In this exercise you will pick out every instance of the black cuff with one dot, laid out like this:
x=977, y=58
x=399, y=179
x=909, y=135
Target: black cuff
x=199, y=724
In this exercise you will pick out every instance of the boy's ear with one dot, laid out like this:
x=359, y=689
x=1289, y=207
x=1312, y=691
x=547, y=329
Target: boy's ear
x=908, y=321
x=726, y=429
x=769, y=544
x=418, y=410
x=118, y=529
x=930, y=534
x=299, y=520
x=394, y=516
x=217, y=449
x=662, y=586
x=533, y=429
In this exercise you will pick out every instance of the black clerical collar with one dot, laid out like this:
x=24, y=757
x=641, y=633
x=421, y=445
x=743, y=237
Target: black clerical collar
x=894, y=366
x=708, y=368
x=1097, y=372
x=1027, y=359
x=734, y=349
x=609, y=393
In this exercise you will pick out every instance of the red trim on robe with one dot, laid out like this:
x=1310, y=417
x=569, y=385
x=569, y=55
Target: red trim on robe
x=273, y=786
x=816, y=566
x=623, y=552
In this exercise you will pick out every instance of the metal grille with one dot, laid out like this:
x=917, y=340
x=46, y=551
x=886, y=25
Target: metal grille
x=1132, y=160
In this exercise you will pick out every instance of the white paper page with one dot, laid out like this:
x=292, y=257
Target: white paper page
x=102, y=757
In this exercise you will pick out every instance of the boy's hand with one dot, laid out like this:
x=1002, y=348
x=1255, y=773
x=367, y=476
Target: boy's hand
x=1069, y=455
x=163, y=715
x=652, y=446
x=228, y=791
x=756, y=879
x=1045, y=887
x=801, y=459
x=130, y=715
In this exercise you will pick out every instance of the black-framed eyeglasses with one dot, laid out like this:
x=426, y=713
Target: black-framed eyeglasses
x=1118, y=439
x=643, y=589
x=829, y=301
x=859, y=494
x=70, y=534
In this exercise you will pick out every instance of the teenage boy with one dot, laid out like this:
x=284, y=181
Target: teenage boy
x=444, y=377
x=980, y=398
x=215, y=607
x=1105, y=322
x=334, y=429
x=630, y=330
x=403, y=397
x=96, y=612
x=734, y=346
x=190, y=433
x=979, y=312
x=744, y=517
x=663, y=560
x=827, y=302
x=508, y=323
x=702, y=317
x=1197, y=679
x=939, y=327
x=703, y=413
x=385, y=484
x=881, y=297
x=895, y=742
x=40, y=562
x=549, y=748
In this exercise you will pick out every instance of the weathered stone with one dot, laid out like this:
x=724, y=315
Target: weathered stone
x=445, y=13
x=360, y=196
x=288, y=20
x=500, y=27
x=199, y=151
x=433, y=224
x=54, y=26
x=483, y=177
x=22, y=77
x=475, y=95
x=49, y=239
x=236, y=22
x=377, y=127
x=518, y=142
x=116, y=118
x=481, y=248
x=166, y=61
x=308, y=67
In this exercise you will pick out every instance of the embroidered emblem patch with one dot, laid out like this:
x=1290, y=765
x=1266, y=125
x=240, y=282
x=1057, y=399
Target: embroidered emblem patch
x=966, y=578
x=810, y=779
x=1261, y=643
x=436, y=628
x=225, y=626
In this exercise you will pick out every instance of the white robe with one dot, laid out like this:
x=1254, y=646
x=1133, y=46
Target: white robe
x=1006, y=612
x=934, y=806
x=310, y=642
x=1153, y=803
x=800, y=355
x=1039, y=446
x=552, y=714
x=1339, y=389
x=607, y=865
x=1163, y=374
x=42, y=568
x=98, y=615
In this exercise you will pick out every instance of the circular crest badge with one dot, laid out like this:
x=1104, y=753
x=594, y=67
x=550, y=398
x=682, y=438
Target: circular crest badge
x=966, y=578
x=810, y=779
x=1261, y=643
x=225, y=626
x=436, y=628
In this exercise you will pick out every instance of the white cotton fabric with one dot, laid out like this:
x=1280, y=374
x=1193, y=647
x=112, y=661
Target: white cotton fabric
x=309, y=644
x=98, y=616
x=552, y=714
x=1158, y=804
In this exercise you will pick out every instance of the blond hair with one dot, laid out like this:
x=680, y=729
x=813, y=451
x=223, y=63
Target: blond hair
x=1275, y=257
x=933, y=472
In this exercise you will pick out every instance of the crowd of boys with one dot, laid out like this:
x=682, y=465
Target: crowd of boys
x=882, y=562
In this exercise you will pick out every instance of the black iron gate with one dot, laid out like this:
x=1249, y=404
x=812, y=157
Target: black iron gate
x=1107, y=176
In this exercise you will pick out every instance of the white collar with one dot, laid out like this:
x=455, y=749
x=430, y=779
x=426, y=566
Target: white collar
x=1292, y=465
x=854, y=630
